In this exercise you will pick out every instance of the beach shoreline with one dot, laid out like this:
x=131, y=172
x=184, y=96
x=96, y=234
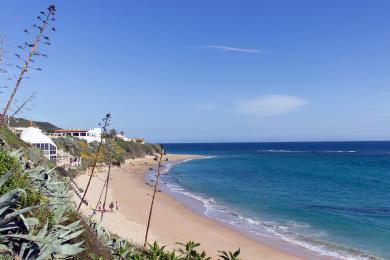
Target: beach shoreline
x=172, y=221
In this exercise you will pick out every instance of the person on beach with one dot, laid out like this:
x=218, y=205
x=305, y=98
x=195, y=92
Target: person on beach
x=112, y=206
x=100, y=206
x=116, y=205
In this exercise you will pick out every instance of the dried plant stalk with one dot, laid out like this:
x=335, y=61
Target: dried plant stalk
x=105, y=120
x=47, y=17
x=154, y=196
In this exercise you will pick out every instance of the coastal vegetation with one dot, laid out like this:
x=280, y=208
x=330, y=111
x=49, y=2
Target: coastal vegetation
x=38, y=219
x=121, y=150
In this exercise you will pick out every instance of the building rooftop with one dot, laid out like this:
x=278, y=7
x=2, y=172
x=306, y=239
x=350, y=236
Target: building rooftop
x=69, y=131
x=34, y=135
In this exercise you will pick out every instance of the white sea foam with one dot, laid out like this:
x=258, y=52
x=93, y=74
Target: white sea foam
x=341, y=151
x=282, y=151
x=198, y=158
x=305, y=151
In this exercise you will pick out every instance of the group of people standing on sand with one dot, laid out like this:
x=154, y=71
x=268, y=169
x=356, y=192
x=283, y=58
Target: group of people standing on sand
x=112, y=206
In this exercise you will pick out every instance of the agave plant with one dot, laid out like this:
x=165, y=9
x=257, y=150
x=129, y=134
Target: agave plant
x=18, y=234
x=123, y=249
x=49, y=243
x=100, y=232
x=8, y=205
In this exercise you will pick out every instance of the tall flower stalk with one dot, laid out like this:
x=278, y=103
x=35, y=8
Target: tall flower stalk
x=44, y=22
x=105, y=120
x=154, y=195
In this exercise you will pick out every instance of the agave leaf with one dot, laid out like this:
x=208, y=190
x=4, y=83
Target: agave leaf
x=10, y=197
x=8, y=218
x=9, y=226
x=57, y=248
x=70, y=226
x=23, y=249
x=4, y=209
x=43, y=231
x=73, y=235
x=4, y=178
x=26, y=222
x=71, y=249
x=32, y=252
x=32, y=221
x=29, y=237
x=58, y=213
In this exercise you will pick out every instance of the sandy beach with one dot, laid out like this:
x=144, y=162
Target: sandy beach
x=171, y=221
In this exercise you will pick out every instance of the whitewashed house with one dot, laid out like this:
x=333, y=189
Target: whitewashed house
x=90, y=136
x=36, y=137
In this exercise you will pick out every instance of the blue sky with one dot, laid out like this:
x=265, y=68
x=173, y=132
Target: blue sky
x=212, y=71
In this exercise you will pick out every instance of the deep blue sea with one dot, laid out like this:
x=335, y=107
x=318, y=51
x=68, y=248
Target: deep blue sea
x=330, y=197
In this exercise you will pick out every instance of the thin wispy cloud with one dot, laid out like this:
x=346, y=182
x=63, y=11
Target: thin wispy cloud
x=232, y=49
x=270, y=105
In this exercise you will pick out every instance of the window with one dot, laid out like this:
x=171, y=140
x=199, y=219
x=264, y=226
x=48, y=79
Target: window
x=76, y=134
x=83, y=134
x=46, y=147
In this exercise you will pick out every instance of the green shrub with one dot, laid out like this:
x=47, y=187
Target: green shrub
x=11, y=139
x=92, y=245
x=18, y=180
x=8, y=163
x=116, y=149
x=69, y=144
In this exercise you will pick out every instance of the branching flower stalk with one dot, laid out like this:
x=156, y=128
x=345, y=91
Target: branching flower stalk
x=48, y=16
x=25, y=102
x=105, y=126
x=154, y=195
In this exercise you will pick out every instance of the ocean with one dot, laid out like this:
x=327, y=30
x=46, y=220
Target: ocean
x=330, y=198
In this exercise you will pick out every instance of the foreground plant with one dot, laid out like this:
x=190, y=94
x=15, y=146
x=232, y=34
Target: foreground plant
x=190, y=251
x=227, y=255
x=25, y=237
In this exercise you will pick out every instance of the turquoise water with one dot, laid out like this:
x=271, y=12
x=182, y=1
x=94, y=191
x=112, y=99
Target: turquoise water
x=333, y=198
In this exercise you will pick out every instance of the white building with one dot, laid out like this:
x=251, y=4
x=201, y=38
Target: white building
x=90, y=136
x=35, y=137
x=134, y=140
